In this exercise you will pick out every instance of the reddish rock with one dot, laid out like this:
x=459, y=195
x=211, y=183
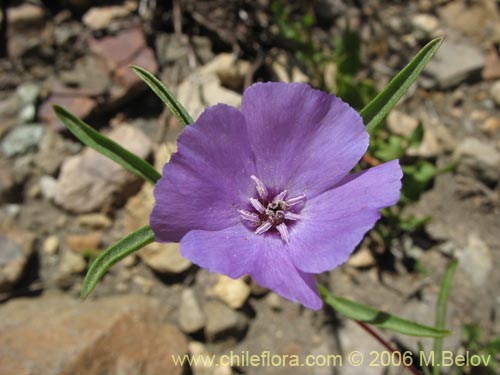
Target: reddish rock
x=62, y=336
x=80, y=106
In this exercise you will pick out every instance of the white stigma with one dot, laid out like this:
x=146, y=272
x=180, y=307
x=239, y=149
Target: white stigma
x=271, y=213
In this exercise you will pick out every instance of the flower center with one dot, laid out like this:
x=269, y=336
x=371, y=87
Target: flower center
x=271, y=213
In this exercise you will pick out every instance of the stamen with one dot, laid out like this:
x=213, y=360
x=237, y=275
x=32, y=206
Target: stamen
x=292, y=216
x=282, y=228
x=261, y=189
x=250, y=216
x=293, y=201
x=257, y=205
x=263, y=228
x=280, y=196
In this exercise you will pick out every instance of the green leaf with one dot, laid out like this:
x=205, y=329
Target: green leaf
x=441, y=312
x=116, y=252
x=375, y=112
x=417, y=136
x=370, y=315
x=164, y=94
x=106, y=146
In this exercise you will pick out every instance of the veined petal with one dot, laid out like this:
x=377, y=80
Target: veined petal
x=236, y=251
x=207, y=179
x=304, y=140
x=335, y=222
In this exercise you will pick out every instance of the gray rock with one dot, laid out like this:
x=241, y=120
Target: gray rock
x=15, y=250
x=191, y=317
x=455, y=62
x=89, y=180
x=28, y=94
x=233, y=292
x=222, y=321
x=495, y=92
x=47, y=186
x=476, y=260
x=22, y=139
x=479, y=160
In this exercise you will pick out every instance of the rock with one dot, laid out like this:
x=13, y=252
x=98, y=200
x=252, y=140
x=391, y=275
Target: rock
x=70, y=264
x=400, y=123
x=51, y=245
x=362, y=258
x=119, y=51
x=285, y=70
x=200, y=367
x=89, y=181
x=89, y=76
x=16, y=248
x=495, y=92
x=479, y=160
x=274, y=301
x=100, y=18
x=329, y=10
x=52, y=151
x=476, y=260
x=233, y=293
x=222, y=321
x=25, y=16
x=191, y=317
x=84, y=243
x=47, y=186
x=145, y=284
x=9, y=109
x=455, y=63
x=94, y=221
x=7, y=180
x=80, y=106
x=163, y=258
x=427, y=24
x=492, y=65
x=490, y=126
x=28, y=96
x=113, y=336
x=204, y=89
x=230, y=70
x=22, y=139
x=170, y=48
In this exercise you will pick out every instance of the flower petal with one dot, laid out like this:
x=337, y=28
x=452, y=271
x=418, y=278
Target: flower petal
x=236, y=251
x=207, y=179
x=304, y=140
x=335, y=222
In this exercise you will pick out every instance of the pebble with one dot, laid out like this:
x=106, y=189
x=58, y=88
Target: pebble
x=28, y=94
x=70, y=264
x=22, y=139
x=479, y=160
x=495, y=92
x=222, y=321
x=89, y=181
x=16, y=250
x=400, y=123
x=164, y=258
x=454, y=63
x=191, y=317
x=233, y=293
x=94, y=221
x=425, y=23
x=98, y=18
x=490, y=126
x=476, y=260
x=51, y=245
x=84, y=243
x=47, y=186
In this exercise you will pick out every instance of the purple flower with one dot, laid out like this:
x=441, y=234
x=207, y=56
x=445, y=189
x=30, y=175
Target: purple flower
x=266, y=190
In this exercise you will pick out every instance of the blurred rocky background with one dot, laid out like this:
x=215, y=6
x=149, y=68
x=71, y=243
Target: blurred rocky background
x=61, y=203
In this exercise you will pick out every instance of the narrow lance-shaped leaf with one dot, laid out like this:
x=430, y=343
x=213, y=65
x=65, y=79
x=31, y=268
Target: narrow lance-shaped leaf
x=375, y=111
x=106, y=146
x=441, y=312
x=370, y=315
x=116, y=252
x=164, y=94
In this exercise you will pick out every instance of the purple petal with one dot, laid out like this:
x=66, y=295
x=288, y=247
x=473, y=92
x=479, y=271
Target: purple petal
x=304, y=140
x=335, y=222
x=207, y=179
x=236, y=251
